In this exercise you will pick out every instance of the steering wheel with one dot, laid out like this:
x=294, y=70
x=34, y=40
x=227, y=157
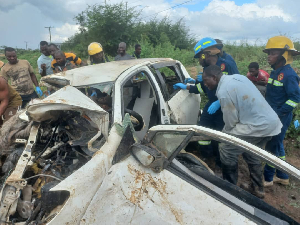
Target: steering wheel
x=139, y=118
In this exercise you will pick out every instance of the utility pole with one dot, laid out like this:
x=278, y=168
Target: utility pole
x=26, y=44
x=49, y=31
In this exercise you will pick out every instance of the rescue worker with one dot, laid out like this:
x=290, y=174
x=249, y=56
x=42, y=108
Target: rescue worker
x=21, y=75
x=10, y=101
x=248, y=116
x=283, y=95
x=258, y=77
x=224, y=54
x=96, y=54
x=137, y=51
x=208, y=53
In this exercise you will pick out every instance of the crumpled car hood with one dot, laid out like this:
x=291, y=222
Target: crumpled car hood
x=68, y=98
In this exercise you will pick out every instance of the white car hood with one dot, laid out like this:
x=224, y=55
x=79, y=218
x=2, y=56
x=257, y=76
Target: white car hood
x=68, y=98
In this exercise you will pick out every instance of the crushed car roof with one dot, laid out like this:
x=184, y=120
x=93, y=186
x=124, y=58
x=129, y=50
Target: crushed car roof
x=101, y=73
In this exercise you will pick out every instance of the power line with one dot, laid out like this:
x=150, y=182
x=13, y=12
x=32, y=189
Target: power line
x=169, y=8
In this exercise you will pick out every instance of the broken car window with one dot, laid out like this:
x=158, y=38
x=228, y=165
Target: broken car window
x=170, y=77
x=101, y=94
x=168, y=142
x=139, y=97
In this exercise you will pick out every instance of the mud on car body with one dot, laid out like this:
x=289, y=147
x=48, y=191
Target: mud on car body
x=116, y=158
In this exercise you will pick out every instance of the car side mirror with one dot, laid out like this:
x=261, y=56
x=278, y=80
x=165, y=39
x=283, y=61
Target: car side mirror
x=149, y=157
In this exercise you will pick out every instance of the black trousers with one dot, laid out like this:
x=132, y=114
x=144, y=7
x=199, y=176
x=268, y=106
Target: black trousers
x=212, y=121
x=26, y=98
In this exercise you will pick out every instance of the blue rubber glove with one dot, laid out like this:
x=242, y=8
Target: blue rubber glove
x=179, y=85
x=296, y=124
x=189, y=80
x=199, y=78
x=39, y=91
x=94, y=94
x=214, y=107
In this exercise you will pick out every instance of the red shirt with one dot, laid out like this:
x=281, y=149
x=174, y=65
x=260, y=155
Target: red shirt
x=262, y=76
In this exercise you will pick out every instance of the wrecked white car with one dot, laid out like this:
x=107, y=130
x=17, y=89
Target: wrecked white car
x=119, y=157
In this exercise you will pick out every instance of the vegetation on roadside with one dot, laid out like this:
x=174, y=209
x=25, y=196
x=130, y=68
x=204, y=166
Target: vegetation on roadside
x=114, y=23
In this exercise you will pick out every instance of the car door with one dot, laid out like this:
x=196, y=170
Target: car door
x=137, y=90
x=184, y=107
x=152, y=187
x=164, y=143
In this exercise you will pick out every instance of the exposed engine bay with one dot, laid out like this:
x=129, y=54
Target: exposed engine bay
x=40, y=153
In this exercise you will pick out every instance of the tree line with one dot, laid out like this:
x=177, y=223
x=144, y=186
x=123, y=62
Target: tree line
x=111, y=24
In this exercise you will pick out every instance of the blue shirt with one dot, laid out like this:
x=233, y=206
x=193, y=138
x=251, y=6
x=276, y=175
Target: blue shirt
x=283, y=92
x=228, y=57
x=45, y=60
x=227, y=67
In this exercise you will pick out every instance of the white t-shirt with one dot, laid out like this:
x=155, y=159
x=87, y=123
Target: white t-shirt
x=45, y=60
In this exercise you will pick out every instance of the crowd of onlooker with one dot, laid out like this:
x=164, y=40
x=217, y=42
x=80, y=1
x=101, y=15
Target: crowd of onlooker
x=24, y=85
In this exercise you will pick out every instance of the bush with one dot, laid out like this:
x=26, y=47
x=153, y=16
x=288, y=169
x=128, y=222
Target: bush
x=164, y=50
x=114, y=23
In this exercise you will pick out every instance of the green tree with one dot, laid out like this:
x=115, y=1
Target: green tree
x=107, y=24
x=112, y=24
x=177, y=33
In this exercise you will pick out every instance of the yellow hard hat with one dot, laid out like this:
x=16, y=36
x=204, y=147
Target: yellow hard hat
x=95, y=48
x=282, y=43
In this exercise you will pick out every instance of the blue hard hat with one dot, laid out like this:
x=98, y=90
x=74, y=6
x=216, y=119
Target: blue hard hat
x=203, y=44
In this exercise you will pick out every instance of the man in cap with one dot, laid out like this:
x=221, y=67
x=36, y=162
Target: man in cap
x=247, y=116
x=283, y=95
x=208, y=54
x=96, y=54
x=122, y=55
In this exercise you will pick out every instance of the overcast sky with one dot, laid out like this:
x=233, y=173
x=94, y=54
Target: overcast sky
x=229, y=20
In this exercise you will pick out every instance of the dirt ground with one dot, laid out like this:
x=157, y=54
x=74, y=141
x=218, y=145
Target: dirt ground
x=284, y=198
